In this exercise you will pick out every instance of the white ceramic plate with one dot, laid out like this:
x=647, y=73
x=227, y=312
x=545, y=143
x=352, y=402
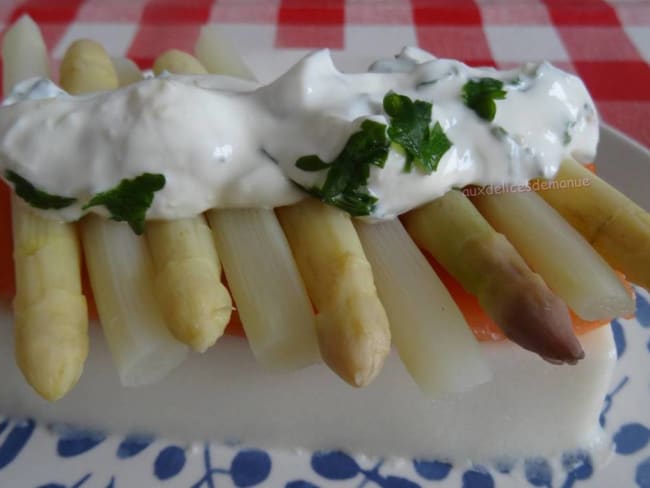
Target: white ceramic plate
x=33, y=454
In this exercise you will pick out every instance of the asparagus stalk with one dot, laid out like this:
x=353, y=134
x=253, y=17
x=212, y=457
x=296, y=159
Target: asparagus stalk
x=187, y=276
x=186, y=267
x=273, y=304
x=547, y=243
x=126, y=70
x=429, y=331
x=118, y=261
x=180, y=62
x=487, y=265
x=612, y=223
x=352, y=325
x=218, y=55
x=86, y=68
x=51, y=318
x=270, y=296
x=119, y=267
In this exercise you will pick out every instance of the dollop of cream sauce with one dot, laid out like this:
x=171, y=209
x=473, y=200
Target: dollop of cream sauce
x=223, y=142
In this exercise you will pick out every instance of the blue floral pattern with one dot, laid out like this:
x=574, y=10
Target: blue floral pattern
x=15, y=441
x=338, y=465
x=539, y=472
x=432, y=470
x=169, y=462
x=133, y=445
x=214, y=465
x=74, y=442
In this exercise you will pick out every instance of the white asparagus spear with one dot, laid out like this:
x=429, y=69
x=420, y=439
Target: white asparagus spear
x=118, y=262
x=270, y=296
x=354, y=346
x=352, y=326
x=186, y=267
x=51, y=318
x=429, y=331
x=187, y=277
x=180, y=62
x=488, y=266
x=614, y=225
x=218, y=55
x=126, y=70
x=273, y=305
x=24, y=54
x=562, y=257
x=121, y=278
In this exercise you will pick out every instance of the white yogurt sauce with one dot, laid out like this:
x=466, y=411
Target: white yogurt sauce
x=222, y=142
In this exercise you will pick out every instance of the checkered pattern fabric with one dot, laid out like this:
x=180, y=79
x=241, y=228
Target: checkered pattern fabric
x=607, y=43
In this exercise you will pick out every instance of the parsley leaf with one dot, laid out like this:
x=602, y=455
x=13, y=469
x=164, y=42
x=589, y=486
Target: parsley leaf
x=479, y=95
x=347, y=176
x=433, y=148
x=35, y=197
x=410, y=127
x=348, y=173
x=355, y=202
x=311, y=163
x=130, y=200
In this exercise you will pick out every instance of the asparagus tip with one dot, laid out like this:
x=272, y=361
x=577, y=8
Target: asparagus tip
x=539, y=321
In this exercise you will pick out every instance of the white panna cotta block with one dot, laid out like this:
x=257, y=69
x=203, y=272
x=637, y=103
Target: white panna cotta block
x=530, y=408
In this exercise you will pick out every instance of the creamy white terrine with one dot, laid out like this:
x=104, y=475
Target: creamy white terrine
x=530, y=407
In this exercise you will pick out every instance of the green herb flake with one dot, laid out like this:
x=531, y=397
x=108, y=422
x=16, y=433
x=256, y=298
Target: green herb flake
x=347, y=174
x=410, y=127
x=130, y=200
x=426, y=83
x=311, y=163
x=35, y=197
x=568, y=130
x=499, y=132
x=479, y=95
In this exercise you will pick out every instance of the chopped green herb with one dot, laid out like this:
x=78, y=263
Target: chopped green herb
x=566, y=140
x=355, y=202
x=347, y=176
x=312, y=163
x=426, y=83
x=499, y=132
x=130, y=200
x=35, y=197
x=410, y=127
x=479, y=95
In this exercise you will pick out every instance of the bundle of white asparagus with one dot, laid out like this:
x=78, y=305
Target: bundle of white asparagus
x=370, y=284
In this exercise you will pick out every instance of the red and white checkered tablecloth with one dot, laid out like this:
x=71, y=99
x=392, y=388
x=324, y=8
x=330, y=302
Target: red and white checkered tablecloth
x=606, y=42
